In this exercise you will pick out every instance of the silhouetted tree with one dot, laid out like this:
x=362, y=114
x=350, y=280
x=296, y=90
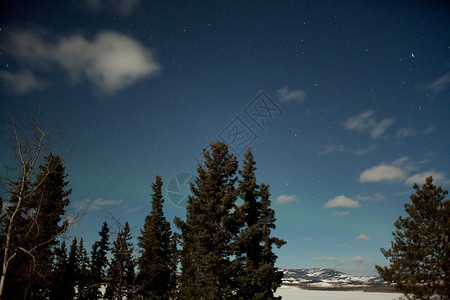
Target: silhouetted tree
x=99, y=263
x=157, y=261
x=34, y=217
x=120, y=285
x=59, y=286
x=36, y=212
x=420, y=253
x=82, y=279
x=258, y=278
x=48, y=202
x=209, y=229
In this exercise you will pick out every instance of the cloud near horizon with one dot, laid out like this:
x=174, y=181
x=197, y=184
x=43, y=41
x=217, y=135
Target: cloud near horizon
x=341, y=260
x=122, y=7
x=382, y=173
x=440, y=84
x=398, y=171
x=366, y=122
x=342, y=201
x=420, y=178
x=287, y=95
x=363, y=237
x=341, y=213
x=98, y=204
x=282, y=199
x=23, y=81
x=110, y=61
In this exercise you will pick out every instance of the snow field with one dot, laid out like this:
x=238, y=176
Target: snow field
x=293, y=293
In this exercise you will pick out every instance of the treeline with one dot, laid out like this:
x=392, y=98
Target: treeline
x=222, y=250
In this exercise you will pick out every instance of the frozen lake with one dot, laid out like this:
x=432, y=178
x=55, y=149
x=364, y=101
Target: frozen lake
x=291, y=293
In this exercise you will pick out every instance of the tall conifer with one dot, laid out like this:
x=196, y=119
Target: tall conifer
x=121, y=271
x=99, y=263
x=36, y=228
x=82, y=279
x=258, y=277
x=420, y=253
x=59, y=286
x=209, y=229
x=156, y=278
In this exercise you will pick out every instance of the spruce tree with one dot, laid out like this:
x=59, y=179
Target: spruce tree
x=420, y=253
x=82, y=278
x=99, y=263
x=258, y=277
x=210, y=228
x=37, y=224
x=17, y=283
x=120, y=285
x=59, y=284
x=157, y=265
x=51, y=200
x=72, y=270
x=269, y=276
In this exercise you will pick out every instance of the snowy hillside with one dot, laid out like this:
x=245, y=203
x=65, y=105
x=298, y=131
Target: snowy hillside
x=322, y=278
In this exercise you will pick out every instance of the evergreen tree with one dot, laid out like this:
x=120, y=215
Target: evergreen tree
x=39, y=195
x=99, y=263
x=36, y=226
x=269, y=276
x=82, y=278
x=121, y=281
x=49, y=201
x=157, y=265
x=72, y=269
x=210, y=227
x=420, y=253
x=17, y=283
x=59, y=284
x=258, y=278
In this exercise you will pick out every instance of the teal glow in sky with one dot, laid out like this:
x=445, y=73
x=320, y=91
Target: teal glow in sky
x=345, y=105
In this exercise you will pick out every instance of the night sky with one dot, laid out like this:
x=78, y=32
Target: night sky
x=345, y=105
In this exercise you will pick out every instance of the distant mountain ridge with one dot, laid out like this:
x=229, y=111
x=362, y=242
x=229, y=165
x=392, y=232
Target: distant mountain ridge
x=327, y=278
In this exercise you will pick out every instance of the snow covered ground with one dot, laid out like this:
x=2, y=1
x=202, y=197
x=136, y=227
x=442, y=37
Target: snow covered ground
x=291, y=293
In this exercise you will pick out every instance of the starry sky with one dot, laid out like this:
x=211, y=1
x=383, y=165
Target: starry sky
x=344, y=103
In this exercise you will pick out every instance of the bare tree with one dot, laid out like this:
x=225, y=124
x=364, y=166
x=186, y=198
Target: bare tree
x=29, y=145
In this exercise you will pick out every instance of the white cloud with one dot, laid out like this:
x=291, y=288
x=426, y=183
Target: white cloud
x=382, y=173
x=341, y=213
x=377, y=197
x=23, y=81
x=134, y=209
x=405, y=132
x=282, y=199
x=379, y=129
x=363, y=237
x=420, y=178
x=398, y=170
x=364, y=151
x=341, y=260
x=360, y=122
x=99, y=204
x=366, y=122
x=429, y=130
x=342, y=201
x=110, y=61
x=287, y=95
x=350, y=265
x=122, y=7
x=332, y=149
x=440, y=84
